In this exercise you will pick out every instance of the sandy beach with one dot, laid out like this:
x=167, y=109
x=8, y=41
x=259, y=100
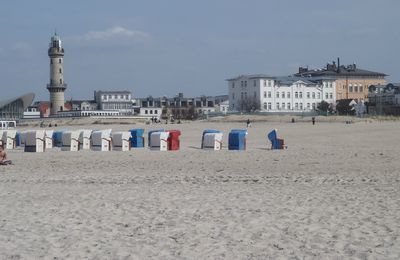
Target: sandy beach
x=333, y=194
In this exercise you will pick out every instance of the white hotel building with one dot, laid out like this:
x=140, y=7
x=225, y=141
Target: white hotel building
x=280, y=94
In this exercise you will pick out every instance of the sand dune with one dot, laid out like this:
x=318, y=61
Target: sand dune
x=333, y=194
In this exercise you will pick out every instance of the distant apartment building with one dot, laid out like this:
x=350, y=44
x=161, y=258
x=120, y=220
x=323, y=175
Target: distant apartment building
x=351, y=81
x=279, y=94
x=114, y=101
x=384, y=99
x=182, y=107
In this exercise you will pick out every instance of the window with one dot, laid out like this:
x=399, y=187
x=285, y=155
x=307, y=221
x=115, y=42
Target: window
x=355, y=88
x=151, y=112
x=59, y=60
x=308, y=105
x=254, y=83
x=233, y=96
x=109, y=96
x=269, y=83
x=296, y=94
x=127, y=97
x=296, y=105
x=255, y=94
x=269, y=94
x=313, y=95
x=60, y=70
x=245, y=83
x=115, y=96
x=326, y=95
x=283, y=105
x=313, y=105
x=308, y=94
x=301, y=106
x=269, y=105
x=277, y=94
x=265, y=94
x=361, y=89
x=283, y=94
x=288, y=95
x=60, y=81
x=146, y=112
x=331, y=96
x=265, y=106
x=233, y=84
x=350, y=88
x=288, y=105
x=319, y=95
x=241, y=83
x=277, y=105
x=300, y=94
x=265, y=83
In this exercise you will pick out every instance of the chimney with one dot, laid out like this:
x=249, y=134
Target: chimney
x=338, y=64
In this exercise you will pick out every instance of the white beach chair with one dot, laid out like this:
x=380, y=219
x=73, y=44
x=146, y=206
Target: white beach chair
x=84, y=139
x=70, y=141
x=121, y=141
x=159, y=141
x=49, y=139
x=101, y=140
x=212, y=141
x=8, y=139
x=34, y=141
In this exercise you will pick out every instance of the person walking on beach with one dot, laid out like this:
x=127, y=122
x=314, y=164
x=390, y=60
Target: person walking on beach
x=313, y=120
x=3, y=156
x=248, y=124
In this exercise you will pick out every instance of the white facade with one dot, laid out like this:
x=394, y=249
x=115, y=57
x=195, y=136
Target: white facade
x=280, y=94
x=151, y=112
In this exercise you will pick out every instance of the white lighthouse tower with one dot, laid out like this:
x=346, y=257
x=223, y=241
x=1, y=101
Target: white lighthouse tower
x=57, y=85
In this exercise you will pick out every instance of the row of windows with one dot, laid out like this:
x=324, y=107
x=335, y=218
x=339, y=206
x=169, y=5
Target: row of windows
x=287, y=95
x=52, y=81
x=105, y=97
x=59, y=61
x=150, y=112
x=288, y=106
x=114, y=106
x=356, y=89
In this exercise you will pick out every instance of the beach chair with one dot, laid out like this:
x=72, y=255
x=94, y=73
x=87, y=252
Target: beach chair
x=207, y=131
x=137, y=139
x=237, y=139
x=276, y=143
x=57, y=138
x=49, y=139
x=34, y=141
x=173, y=140
x=121, y=141
x=153, y=131
x=1, y=137
x=70, y=141
x=101, y=140
x=212, y=141
x=159, y=141
x=8, y=139
x=84, y=139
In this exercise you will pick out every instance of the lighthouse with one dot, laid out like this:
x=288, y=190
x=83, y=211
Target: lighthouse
x=57, y=85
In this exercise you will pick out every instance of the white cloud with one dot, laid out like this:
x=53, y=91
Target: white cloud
x=113, y=35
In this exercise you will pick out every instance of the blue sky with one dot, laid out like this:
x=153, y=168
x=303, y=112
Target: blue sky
x=162, y=47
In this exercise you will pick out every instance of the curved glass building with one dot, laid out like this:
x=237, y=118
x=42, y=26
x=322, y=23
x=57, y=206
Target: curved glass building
x=14, y=108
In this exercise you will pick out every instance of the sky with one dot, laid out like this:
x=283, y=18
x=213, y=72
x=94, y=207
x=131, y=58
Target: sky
x=163, y=47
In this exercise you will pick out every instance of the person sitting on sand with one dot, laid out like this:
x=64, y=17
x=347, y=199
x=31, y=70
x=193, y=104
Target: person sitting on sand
x=3, y=156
